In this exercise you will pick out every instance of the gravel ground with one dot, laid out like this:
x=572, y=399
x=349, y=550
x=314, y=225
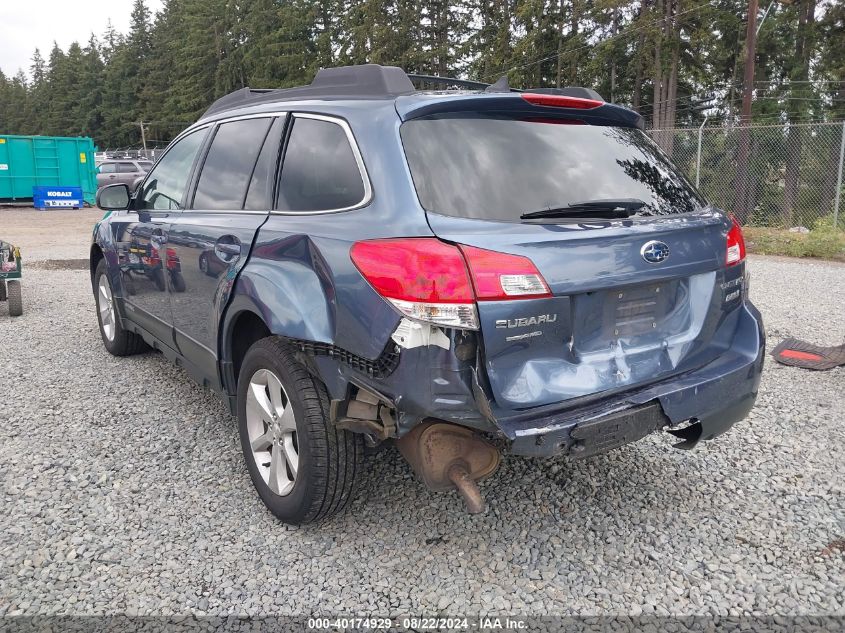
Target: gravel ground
x=124, y=491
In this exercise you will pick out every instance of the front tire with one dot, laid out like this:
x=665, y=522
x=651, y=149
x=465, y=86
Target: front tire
x=303, y=468
x=177, y=281
x=157, y=275
x=118, y=342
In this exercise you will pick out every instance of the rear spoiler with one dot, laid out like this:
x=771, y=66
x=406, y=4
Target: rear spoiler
x=550, y=103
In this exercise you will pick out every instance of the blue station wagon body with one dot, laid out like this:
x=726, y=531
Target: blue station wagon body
x=528, y=266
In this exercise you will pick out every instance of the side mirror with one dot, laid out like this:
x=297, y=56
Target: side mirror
x=113, y=197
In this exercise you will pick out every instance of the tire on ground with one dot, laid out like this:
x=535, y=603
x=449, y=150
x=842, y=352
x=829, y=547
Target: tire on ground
x=330, y=459
x=14, y=297
x=124, y=343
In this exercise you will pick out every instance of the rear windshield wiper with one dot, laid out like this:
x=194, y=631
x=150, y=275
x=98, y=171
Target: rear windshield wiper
x=616, y=208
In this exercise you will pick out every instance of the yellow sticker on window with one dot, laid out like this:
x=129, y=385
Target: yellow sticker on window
x=82, y=157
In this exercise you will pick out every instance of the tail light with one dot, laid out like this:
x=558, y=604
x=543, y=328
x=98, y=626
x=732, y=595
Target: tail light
x=736, y=244
x=429, y=280
x=499, y=276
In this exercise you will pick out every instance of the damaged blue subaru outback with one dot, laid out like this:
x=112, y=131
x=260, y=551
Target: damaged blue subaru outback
x=469, y=271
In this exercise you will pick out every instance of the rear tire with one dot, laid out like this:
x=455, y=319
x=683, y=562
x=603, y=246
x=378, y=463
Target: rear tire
x=14, y=297
x=118, y=341
x=2, y=290
x=316, y=464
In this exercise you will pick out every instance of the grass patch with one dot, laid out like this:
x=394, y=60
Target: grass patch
x=823, y=241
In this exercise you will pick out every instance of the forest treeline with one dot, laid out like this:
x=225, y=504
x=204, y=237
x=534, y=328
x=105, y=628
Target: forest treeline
x=668, y=59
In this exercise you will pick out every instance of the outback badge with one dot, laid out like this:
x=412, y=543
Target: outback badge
x=655, y=252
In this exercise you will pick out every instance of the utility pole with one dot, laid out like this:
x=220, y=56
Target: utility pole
x=614, y=28
x=143, y=136
x=742, y=185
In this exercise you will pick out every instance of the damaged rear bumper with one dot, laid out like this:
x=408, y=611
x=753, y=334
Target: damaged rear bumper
x=441, y=383
x=713, y=398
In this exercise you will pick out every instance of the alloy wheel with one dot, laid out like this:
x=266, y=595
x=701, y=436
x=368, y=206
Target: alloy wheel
x=105, y=305
x=271, y=426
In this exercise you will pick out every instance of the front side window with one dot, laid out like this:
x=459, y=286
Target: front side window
x=165, y=186
x=145, y=165
x=126, y=168
x=229, y=165
x=499, y=167
x=319, y=170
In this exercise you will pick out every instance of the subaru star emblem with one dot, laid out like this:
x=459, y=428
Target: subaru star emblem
x=655, y=252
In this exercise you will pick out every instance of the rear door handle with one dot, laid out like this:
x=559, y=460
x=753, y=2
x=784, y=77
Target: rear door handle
x=228, y=248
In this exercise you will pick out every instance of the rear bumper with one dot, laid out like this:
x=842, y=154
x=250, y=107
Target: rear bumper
x=717, y=395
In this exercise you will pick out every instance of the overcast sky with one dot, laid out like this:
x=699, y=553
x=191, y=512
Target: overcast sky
x=27, y=24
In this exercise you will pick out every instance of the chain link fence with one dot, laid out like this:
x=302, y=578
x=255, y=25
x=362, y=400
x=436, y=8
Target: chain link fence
x=792, y=175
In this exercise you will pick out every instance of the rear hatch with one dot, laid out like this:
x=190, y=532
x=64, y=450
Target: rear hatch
x=632, y=257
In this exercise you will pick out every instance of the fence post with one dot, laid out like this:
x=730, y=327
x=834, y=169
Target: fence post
x=698, y=155
x=839, y=180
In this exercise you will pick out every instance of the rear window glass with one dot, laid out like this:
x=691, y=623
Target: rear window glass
x=495, y=168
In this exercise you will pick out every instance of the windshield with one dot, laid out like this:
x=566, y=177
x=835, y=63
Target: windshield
x=497, y=168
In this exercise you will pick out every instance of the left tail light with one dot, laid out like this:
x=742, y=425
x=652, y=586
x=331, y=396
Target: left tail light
x=439, y=283
x=736, y=244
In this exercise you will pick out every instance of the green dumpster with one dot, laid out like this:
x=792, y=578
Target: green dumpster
x=29, y=161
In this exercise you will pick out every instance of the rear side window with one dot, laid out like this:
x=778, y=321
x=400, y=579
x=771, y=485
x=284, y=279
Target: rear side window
x=108, y=168
x=319, y=172
x=127, y=168
x=497, y=168
x=260, y=194
x=165, y=187
x=228, y=166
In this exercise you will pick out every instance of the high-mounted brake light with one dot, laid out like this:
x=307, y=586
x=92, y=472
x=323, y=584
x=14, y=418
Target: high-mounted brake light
x=429, y=280
x=561, y=101
x=736, y=244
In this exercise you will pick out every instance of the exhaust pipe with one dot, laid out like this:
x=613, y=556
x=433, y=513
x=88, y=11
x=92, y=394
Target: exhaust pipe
x=447, y=456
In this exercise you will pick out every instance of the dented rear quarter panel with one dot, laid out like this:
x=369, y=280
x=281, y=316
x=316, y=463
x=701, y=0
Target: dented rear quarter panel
x=300, y=278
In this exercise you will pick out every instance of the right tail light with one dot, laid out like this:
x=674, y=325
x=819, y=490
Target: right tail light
x=736, y=244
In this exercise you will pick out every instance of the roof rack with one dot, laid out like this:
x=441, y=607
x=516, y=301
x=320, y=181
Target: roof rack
x=367, y=81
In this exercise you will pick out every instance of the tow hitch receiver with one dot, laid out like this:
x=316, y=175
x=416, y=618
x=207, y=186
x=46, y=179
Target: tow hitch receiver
x=447, y=456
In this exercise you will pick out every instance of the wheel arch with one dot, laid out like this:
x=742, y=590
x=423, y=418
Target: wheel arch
x=258, y=308
x=244, y=328
x=96, y=254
